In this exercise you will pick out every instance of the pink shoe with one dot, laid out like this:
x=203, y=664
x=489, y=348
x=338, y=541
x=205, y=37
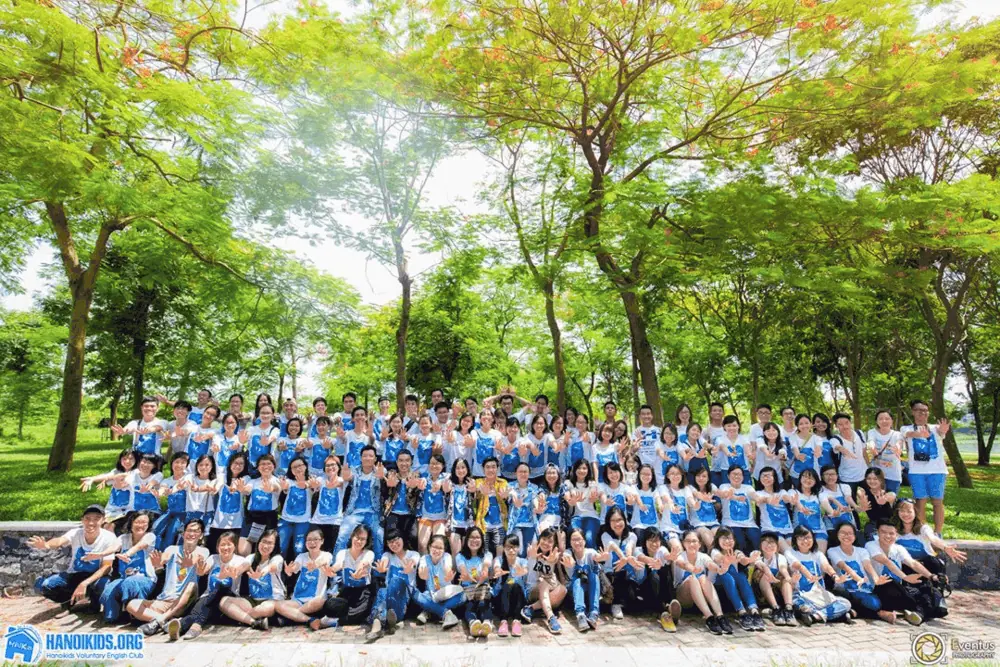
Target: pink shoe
x=502, y=630
x=515, y=629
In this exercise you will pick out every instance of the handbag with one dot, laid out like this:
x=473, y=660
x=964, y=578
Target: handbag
x=479, y=592
x=607, y=592
x=818, y=596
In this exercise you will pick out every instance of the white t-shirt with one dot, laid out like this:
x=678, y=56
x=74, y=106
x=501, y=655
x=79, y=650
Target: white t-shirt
x=918, y=545
x=143, y=440
x=670, y=521
x=887, y=461
x=775, y=518
x=311, y=583
x=179, y=443
x=852, y=468
x=196, y=500
x=330, y=505
x=262, y=500
x=775, y=563
x=932, y=447
x=840, y=496
x=896, y=553
x=812, y=561
x=215, y=566
x=298, y=503
x=648, y=444
x=702, y=512
x=813, y=450
x=177, y=576
x=396, y=565
x=349, y=564
x=765, y=459
x=626, y=544
x=271, y=586
x=144, y=500
x=140, y=563
x=738, y=510
x=855, y=561
x=702, y=560
x=78, y=547
x=586, y=507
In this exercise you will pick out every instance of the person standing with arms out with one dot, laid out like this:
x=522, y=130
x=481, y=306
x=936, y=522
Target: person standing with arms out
x=204, y=400
x=885, y=450
x=646, y=438
x=147, y=432
x=927, y=465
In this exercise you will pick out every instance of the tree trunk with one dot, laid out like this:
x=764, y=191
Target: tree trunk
x=405, y=284
x=643, y=354
x=635, y=388
x=64, y=442
x=937, y=405
x=973, y=389
x=984, y=452
x=116, y=400
x=548, y=290
x=140, y=344
x=281, y=389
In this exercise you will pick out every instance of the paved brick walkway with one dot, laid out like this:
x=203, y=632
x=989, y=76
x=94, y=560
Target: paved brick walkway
x=974, y=615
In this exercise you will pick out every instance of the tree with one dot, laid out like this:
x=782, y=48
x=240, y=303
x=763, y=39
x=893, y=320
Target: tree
x=30, y=347
x=116, y=117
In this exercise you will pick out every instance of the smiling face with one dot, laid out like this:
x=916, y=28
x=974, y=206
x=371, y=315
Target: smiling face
x=716, y=413
x=435, y=467
x=265, y=547
x=490, y=470
x=92, y=524
x=486, y=420
x=767, y=479
x=235, y=404
x=736, y=477
x=522, y=474
x=149, y=411
x=646, y=476
x=145, y=467
x=578, y=542
x=436, y=550
x=617, y=523
x=203, y=397
x=692, y=543
x=236, y=466
x=358, y=540
x=804, y=542
x=727, y=542
x=314, y=541
x=265, y=467
x=684, y=415
x=204, y=468
x=763, y=415
x=769, y=547
x=331, y=467
x=349, y=404
x=396, y=546
x=845, y=534
x=294, y=429
x=873, y=482
x=298, y=470
x=732, y=430
x=226, y=549
x=884, y=421
x=475, y=542
x=368, y=460
x=266, y=415
x=178, y=466
x=830, y=478
x=804, y=426
x=907, y=514
x=193, y=533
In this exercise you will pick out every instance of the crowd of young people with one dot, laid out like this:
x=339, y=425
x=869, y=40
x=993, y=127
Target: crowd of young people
x=502, y=516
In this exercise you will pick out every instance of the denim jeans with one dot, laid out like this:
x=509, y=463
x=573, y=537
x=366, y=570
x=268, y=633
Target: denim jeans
x=590, y=526
x=119, y=592
x=351, y=522
x=166, y=528
x=59, y=587
x=292, y=538
x=395, y=595
x=586, y=594
x=478, y=609
x=747, y=539
x=737, y=589
x=427, y=603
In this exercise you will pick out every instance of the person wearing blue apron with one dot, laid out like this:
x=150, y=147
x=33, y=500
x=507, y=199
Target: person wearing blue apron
x=168, y=525
x=365, y=501
x=296, y=511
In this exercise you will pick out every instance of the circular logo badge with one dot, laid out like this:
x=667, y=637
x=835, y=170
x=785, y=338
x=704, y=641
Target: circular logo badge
x=927, y=648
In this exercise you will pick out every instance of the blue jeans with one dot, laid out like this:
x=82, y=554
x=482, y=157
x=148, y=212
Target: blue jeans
x=864, y=602
x=747, y=539
x=395, y=595
x=427, y=603
x=737, y=589
x=351, y=522
x=892, y=485
x=590, y=526
x=586, y=594
x=527, y=535
x=292, y=538
x=166, y=528
x=119, y=592
x=837, y=609
x=478, y=609
x=204, y=517
x=59, y=587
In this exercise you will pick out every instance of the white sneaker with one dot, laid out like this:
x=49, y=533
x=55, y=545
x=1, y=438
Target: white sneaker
x=449, y=620
x=616, y=612
x=422, y=618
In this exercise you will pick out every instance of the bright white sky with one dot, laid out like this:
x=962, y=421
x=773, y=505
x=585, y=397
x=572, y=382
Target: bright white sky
x=454, y=183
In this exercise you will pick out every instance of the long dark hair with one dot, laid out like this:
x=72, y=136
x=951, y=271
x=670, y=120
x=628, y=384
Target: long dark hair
x=270, y=532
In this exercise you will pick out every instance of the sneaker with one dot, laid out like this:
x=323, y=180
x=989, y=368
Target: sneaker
x=745, y=621
x=667, y=622
x=475, y=627
x=390, y=620
x=913, y=618
x=847, y=619
x=151, y=628
x=581, y=622
x=376, y=633
x=449, y=620
x=422, y=618
x=806, y=619
x=515, y=629
x=193, y=633
x=260, y=624
x=174, y=629
x=502, y=630
x=324, y=623
x=486, y=629
x=818, y=618
x=593, y=620
x=712, y=623
x=617, y=613
x=526, y=612
x=554, y=626
x=724, y=625
x=758, y=621
x=790, y=618
x=770, y=614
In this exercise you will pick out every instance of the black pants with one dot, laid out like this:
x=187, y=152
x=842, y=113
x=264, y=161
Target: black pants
x=509, y=602
x=406, y=524
x=206, y=609
x=622, y=586
x=657, y=589
x=351, y=606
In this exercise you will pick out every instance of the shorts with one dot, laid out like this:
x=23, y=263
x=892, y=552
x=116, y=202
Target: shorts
x=928, y=485
x=431, y=523
x=459, y=531
x=257, y=603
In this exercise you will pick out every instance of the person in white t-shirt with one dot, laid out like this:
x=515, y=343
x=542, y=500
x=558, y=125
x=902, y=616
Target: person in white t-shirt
x=309, y=593
x=694, y=583
x=147, y=432
x=352, y=602
x=180, y=430
x=925, y=443
x=908, y=588
x=885, y=450
x=770, y=574
x=855, y=561
x=851, y=448
x=763, y=418
x=264, y=579
x=813, y=602
x=87, y=573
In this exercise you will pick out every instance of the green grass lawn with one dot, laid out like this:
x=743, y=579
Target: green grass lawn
x=29, y=492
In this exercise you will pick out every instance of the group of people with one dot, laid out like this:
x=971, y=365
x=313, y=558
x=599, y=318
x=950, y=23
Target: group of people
x=501, y=516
